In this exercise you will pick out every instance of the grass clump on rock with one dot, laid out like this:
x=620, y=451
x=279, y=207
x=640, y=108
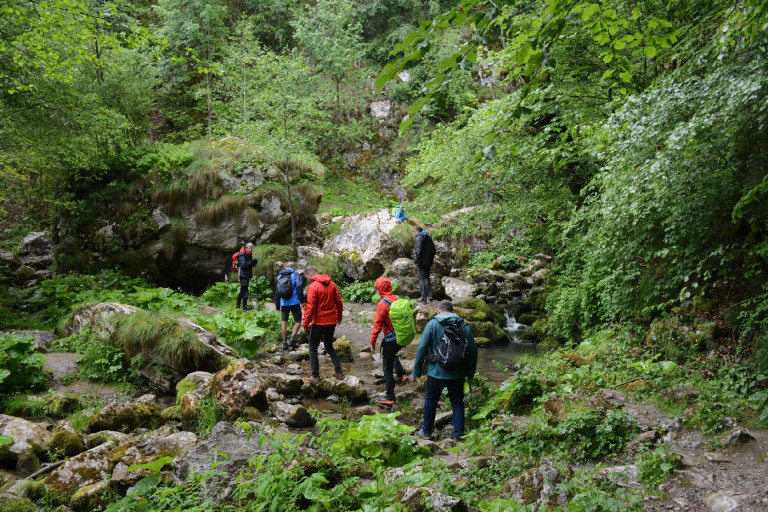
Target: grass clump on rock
x=147, y=332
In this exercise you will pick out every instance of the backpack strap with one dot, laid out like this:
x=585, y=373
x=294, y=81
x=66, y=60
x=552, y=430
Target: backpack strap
x=385, y=301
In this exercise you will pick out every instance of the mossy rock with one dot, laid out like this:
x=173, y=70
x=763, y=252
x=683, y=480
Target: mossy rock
x=185, y=387
x=62, y=404
x=66, y=442
x=576, y=360
x=489, y=330
x=125, y=417
x=539, y=328
x=92, y=497
x=549, y=344
x=27, y=464
x=481, y=341
x=172, y=413
x=9, y=504
x=343, y=349
x=530, y=318
x=480, y=305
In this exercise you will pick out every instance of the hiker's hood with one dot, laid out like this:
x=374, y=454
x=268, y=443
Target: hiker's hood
x=448, y=318
x=287, y=271
x=423, y=233
x=322, y=279
x=383, y=286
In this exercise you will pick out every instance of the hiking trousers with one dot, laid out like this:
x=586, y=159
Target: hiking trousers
x=244, y=281
x=432, y=396
x=322, y=333
x=391, y=365
x=425, y=284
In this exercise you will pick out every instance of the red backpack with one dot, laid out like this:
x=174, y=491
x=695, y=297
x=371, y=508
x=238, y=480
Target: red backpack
x=235, y=256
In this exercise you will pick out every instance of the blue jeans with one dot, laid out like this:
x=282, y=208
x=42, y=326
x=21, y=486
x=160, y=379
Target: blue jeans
x=455, y=394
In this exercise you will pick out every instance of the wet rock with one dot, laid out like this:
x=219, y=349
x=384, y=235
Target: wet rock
x=364, y=245
x=285, y=384
x=66, y=441
x=537, y=485
x=27, y=437
x=423, y=499
x=292, y=415
x=238, y=386
x=351, y=387
x=343, y=349
x=125, y=417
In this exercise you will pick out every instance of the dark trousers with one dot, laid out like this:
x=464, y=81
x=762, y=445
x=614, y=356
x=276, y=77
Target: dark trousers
x=391, y=363
x=425, y=285
x=243, y=292
x=432, y=396
x=322, y=333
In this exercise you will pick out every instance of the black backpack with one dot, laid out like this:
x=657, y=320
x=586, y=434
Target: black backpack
x=285, y=286
x=451, y=352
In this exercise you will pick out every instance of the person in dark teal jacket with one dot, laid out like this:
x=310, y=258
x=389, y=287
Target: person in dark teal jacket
x=439, y=377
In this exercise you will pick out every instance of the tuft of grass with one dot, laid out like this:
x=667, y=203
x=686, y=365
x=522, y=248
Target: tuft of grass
x=169, y=248
x=403, y=233
x=179, y=229
x=328, y=264
x=228, y=205
x=268, y=254
x=147, y=332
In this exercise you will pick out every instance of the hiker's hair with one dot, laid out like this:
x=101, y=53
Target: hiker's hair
x=249, y=245
x=418, y=228
x=310, y=270
x=445, y=306
x=290, y=264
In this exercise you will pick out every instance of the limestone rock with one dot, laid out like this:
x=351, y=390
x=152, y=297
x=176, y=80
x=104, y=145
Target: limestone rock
x=292, y=415
x=285, y=384
x=85, y=469
x=380, y=109
x=144, y=450
x=351, y=387
x=91, y=497
x=36, y=243
x=98, y=318
x=537, y=485
x=364, y=245
x=27, y=436
x=238, y=386
x=66, y=441
x=106, y=436
x=194, y=383
x=456, y=288
x=125, y=417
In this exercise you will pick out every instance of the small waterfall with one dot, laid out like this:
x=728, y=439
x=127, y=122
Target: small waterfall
x=513, y=328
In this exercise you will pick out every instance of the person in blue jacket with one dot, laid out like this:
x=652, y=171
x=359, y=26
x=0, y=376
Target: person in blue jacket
x=400, y=213
x=291, y=305
x=438, y=377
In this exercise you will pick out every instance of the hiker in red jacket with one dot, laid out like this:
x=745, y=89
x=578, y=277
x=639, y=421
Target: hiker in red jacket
x=389, y=346
x=323, y=311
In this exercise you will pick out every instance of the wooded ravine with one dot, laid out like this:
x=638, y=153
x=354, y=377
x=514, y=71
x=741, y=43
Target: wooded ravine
x=594, y=176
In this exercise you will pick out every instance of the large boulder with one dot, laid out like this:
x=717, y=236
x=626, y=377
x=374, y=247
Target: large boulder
x=160, y=369
x=238, y=386
x=456, y=288
x=27, y=437
x=37, y=243
x=125, y=417
x=85, y=469
x=364, y=245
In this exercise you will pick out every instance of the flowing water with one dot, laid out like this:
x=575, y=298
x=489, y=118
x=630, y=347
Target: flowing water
x=494, y=361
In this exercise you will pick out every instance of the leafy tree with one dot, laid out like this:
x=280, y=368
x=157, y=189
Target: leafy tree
x=332, y=39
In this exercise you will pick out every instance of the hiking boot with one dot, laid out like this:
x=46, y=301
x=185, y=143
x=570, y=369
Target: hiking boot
x=423, y=435
x=403, y=381
x=313, y=380
x=338, y=376
x=384, y=401
x=285, y=345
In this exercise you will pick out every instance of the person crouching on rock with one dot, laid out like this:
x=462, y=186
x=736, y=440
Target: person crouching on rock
x=389, y=346
x=322, y=312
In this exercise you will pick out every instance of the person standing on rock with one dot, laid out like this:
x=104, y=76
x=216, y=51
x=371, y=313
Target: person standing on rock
x=424, y=249
x=389, y=346
x=448, y=347
x=245, y=264
x=322, y=312
x=400, y=213
x=289, y=297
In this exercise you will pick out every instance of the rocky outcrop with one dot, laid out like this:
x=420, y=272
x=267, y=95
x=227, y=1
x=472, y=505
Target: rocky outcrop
x=161, y=371
x=31, y=264
x=364, y=245
x=238, y=386
x=27, y=437
x=144, y=450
